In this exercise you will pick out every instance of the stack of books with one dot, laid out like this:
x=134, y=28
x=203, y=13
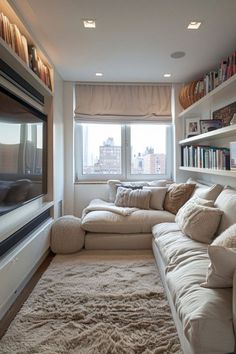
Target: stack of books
x=200, y=156
x=11, y=34
x=226, y=69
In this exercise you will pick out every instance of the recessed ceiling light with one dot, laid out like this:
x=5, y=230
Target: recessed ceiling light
x=99, y=74
x=89, y=23
x=194, y=25
x=177, y=55
x=167, y=75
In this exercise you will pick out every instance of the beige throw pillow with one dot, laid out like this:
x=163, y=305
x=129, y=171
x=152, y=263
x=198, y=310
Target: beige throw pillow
x=157, y=197
x=180, y=216
x=177, y=195
x=138, y=198
x=199, y=222
x=227, y=238
x=222, y=267
x=205, y=191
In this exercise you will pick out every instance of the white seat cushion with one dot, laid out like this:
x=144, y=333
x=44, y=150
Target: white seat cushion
x=139, y=221
x=172, y=243
x=206, y=314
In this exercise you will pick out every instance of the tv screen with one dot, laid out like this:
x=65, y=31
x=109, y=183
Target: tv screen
x=23, y=155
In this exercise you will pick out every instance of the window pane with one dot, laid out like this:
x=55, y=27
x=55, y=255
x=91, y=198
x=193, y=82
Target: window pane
x=101, y=149
x=148, y=149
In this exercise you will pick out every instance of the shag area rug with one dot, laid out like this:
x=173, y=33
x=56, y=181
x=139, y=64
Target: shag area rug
x=95, y=302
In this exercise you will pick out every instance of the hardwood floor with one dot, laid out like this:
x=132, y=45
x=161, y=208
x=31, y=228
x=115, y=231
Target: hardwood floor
x=14, y=309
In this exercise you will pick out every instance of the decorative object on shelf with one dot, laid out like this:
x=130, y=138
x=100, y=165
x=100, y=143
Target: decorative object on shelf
x=225, y=113
x=233, y=155
x=192, y=127
x=190, y=93
x=208, y=125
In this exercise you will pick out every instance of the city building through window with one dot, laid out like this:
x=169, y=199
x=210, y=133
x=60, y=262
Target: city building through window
x=129, y=151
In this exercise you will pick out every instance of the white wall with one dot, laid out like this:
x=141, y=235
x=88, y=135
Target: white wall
x=84, y=193
x=58, y=145
x=68, y=112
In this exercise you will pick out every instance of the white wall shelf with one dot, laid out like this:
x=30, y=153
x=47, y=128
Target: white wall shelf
x=204, y=104
x=226, y=132
x=225, y=173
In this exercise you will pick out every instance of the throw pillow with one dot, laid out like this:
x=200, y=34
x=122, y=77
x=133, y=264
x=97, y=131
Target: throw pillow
x=157, y=197
x=192, y=201
x=221, y=269
x=112, y=189
x=199, y=222
x=138, y=198
x=177, y=195
x=227, y=238
x=204, y=191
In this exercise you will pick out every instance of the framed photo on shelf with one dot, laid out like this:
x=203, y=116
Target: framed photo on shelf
x=207, y=125
x=192, y=127
x=233, y=155
x=225, y=113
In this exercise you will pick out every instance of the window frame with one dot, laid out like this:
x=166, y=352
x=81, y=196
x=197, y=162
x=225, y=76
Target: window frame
x=125, y=155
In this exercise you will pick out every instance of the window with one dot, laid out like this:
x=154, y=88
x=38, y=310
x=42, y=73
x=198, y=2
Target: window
x=127, y=151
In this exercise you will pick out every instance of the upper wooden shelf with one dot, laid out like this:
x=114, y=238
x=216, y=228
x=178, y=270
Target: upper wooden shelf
x=17, y=64
x=205, y=102
x=213, y=135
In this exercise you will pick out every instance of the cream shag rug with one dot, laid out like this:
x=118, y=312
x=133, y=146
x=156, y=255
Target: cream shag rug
x=95, y=302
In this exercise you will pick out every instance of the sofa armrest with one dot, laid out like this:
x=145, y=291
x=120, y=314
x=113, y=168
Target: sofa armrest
x=234, y=303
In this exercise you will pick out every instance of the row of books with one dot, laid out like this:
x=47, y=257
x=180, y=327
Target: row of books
x=213, y=79
x=11, y=34
x=205, y=157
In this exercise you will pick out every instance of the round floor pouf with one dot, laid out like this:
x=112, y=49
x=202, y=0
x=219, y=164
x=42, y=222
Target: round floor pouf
x=67, y=236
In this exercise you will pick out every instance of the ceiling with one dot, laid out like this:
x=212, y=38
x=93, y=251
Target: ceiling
x=133, y=39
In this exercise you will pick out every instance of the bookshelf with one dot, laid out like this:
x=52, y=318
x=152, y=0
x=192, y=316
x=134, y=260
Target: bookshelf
x=19, y=50
x=226, y=132
x=209, y=171
x=207, y=102
x=13, y=60
x=219, y=97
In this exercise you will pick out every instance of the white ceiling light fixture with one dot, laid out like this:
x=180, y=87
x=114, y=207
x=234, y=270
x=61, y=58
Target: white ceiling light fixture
x=89, y=23
x=99, y=74
x=167, y=75
x=194, y=25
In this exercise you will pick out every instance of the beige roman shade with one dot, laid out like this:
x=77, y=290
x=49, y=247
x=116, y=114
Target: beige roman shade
x=123, y=102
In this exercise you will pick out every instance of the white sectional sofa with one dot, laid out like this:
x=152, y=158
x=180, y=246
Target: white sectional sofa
x=204, y=317
x=108, y=230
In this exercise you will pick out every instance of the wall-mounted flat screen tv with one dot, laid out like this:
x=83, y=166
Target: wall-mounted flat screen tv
x=23, y=133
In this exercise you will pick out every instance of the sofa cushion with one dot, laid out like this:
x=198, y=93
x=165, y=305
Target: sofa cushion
x=226, y=201
x=177, y=195
x=113, y=184
x=227, y=238
x=204, y=191
x=206, y=314
x=222, y=267
x=172, y=243
x=127, y=197
x=157, y=197
x=139, y=221
x=199, y=222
